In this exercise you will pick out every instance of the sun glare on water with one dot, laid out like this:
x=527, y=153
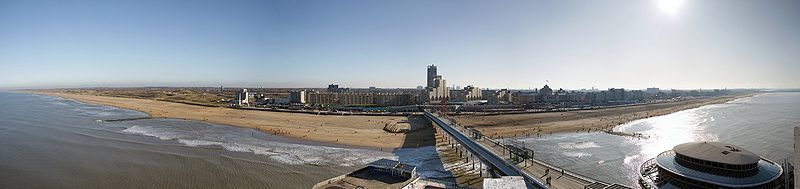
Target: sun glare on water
x=669, y=6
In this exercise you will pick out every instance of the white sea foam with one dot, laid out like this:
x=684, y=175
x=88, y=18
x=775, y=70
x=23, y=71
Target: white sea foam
x=198, y=142
x=151, y=131
x=577, y=145
x=576, y=154
x=629, y=159
x=280, y=151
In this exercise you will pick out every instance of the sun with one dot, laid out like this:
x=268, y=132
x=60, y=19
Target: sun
x=669, y=6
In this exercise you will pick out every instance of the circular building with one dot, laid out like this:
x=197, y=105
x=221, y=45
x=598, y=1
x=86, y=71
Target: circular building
x=710, y=165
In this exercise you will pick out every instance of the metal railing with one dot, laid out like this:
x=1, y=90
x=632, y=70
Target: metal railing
x=490, y=158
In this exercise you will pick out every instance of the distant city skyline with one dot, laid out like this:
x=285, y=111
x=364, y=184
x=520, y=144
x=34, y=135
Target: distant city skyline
x=667, y=44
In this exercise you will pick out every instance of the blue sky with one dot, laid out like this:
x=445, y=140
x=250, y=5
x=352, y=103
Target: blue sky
x=495, y=44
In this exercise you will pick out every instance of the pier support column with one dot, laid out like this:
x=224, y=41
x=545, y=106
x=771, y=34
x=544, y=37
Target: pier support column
x=473, y=161
x=480, y=168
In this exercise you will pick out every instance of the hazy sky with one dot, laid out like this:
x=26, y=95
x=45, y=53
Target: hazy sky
x=496, y=44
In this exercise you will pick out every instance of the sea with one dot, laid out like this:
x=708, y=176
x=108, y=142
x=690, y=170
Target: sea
x=51, y=142
x=762, y=124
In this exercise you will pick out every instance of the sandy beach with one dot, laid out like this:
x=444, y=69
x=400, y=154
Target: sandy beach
x=511, y=125
x=367, y=131
x=361, y=131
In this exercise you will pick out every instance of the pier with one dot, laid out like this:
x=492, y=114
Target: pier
x=511, y=160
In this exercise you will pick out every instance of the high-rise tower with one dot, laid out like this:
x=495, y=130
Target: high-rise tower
x=431, y=76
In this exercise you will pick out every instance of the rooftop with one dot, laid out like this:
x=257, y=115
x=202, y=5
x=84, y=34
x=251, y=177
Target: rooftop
x=767, y=172
x=717, y=152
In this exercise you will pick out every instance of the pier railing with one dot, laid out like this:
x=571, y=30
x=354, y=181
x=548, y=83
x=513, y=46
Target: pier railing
x=591, y=183
x=550, y=166
x=495, y=161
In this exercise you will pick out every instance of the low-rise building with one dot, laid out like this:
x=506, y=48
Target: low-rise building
x=360, y=98
x=297, y=97
x=468, y=93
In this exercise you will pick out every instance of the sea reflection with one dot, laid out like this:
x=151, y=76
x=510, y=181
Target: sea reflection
x=617, y=159
x=667, y=131
x=762, y=124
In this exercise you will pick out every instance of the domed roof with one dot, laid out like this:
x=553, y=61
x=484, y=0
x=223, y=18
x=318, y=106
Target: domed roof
x=717, y=152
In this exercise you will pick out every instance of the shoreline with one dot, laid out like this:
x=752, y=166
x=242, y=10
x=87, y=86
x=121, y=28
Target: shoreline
x=363, y=132
x=600, y=120
x=366, y=132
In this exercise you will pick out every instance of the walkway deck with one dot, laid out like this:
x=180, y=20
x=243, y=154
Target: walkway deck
x=534, y=169
x=496, y=162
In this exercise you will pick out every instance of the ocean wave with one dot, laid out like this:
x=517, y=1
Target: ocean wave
x=630, y=159
x=103, y=111
x=576, y=154
x=288, y=153
x=162, y=134
x=89, y=109
x=578, y=145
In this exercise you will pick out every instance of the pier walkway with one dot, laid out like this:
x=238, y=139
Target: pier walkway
x=502, y=161
x=496, y=163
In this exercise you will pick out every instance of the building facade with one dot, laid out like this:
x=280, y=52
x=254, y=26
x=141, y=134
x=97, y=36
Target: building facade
x=431, y=76
x=468, y=93
x=437, y=87
x=358, y=98
x=297, y=97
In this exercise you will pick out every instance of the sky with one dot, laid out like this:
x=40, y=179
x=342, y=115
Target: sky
x=571, y=44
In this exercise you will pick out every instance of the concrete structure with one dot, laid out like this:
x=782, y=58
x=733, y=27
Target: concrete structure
x=796, y=155
x=392, y=168
x=509, y=182
x=383, y=173
x=710, y=165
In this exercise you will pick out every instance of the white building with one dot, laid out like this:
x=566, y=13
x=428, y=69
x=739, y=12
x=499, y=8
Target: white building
x=243, y=98
x=437, y=93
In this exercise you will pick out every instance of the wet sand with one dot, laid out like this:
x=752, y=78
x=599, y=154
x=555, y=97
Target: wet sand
x=533, y=124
